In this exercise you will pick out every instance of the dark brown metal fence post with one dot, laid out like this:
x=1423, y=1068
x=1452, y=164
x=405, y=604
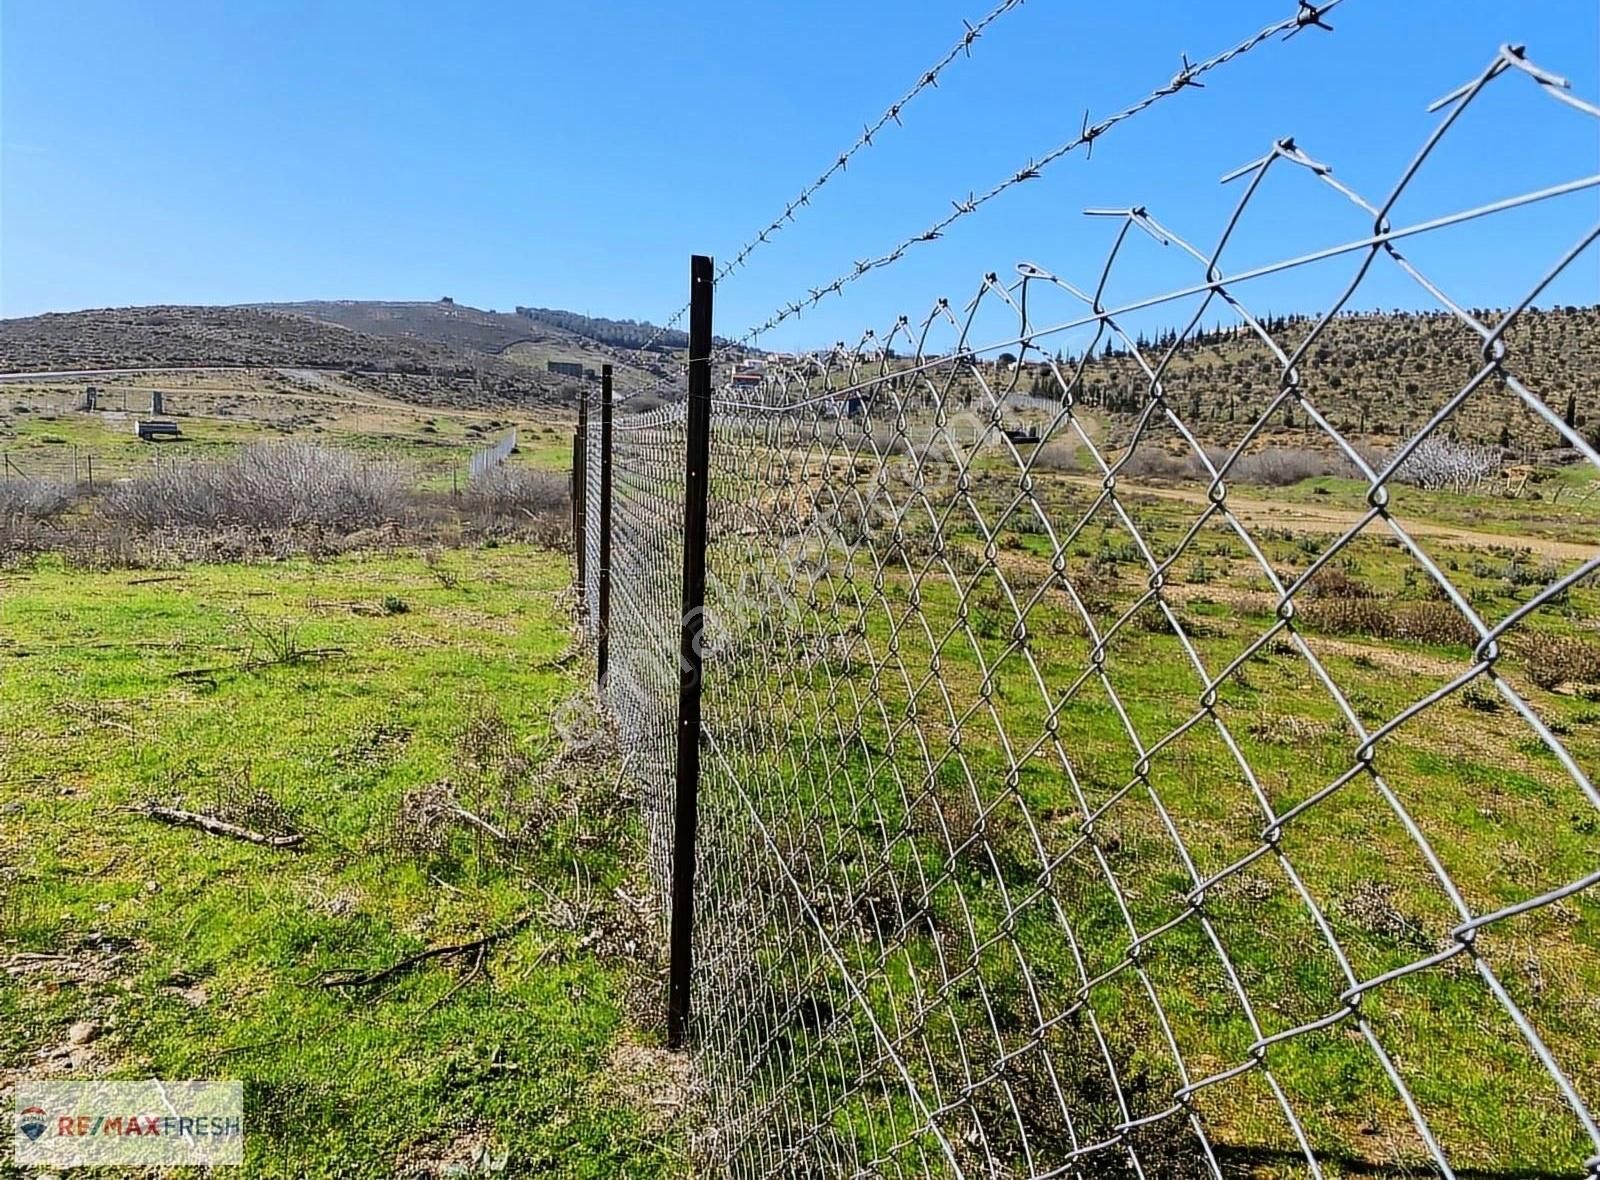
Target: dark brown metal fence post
x=603, y=656
x=697, y=486
x=580, y=494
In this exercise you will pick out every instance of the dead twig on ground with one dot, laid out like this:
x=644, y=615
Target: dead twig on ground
x=478, y=822
x=447, y=950
x=562, y=660
x=217, y=827
x=299, y=657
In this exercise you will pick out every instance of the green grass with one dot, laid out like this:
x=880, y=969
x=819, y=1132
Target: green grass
x=217, y=947
x=41, y=440
x=849, y=756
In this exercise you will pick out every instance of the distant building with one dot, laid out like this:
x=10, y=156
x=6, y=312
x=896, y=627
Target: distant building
x=565, y=368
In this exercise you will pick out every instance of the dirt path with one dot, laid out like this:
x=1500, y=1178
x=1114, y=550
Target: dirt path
x=1308, y=518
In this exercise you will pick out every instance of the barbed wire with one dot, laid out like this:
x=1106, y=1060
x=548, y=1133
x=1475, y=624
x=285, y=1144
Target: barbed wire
x=1307, y=15
x=1055, y=823
x=927, y=79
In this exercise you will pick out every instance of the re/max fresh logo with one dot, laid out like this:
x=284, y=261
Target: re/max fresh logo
x=34, y=1122
x=143, y=1123
x=31, y=1122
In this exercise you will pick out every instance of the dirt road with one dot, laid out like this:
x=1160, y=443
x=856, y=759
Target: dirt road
x=1316, y=518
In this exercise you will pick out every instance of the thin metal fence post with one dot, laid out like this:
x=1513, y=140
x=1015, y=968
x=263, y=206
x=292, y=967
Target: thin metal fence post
x=696, y=494
x=603, y=654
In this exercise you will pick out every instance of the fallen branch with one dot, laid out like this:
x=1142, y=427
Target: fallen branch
x=217, y=827
x=478, y=822
x=315, y=653
x=477, y=969
x=365, y=978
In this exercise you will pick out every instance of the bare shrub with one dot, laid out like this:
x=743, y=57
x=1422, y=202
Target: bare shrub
x=1332, y=581
x=1059, y=454
x=521, y=504
x=508, y=489
x=1152, y=463
x=1554, y=660
x=267, y=485
x=1439, y=463
x=34, y=499
x=238, y=799
x=1278, y=467
x=1274, y=467
x=1376, y=618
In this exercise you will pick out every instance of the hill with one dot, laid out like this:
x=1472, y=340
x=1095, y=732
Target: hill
x=617, y=333
x=452, y=324
x=433, y=353
x=1372, y=374
x=125, y=337
x=524, y=339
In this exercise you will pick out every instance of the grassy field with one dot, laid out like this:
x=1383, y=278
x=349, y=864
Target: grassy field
x=44, y=433
x=133, y=948
x=973, y=823
x=978, y=822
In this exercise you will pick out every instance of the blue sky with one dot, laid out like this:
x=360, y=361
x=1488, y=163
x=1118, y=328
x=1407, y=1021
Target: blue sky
x=575, y=155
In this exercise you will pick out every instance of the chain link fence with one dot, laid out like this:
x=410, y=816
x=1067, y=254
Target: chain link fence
x=1070, y=806
x=486, y=459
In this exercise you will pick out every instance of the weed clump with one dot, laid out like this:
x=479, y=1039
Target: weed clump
x=34, y=499
x=1554, y=660
x=267, y=485
x=1436, y=623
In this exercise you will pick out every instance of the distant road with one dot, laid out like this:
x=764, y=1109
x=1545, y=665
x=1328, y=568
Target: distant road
x=77, y=374
x=319, y=377
x=73, y=374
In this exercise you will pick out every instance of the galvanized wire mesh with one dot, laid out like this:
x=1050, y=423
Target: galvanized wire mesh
x=1060, y=821
x=647, y=548
x=486, y=459
x=591, y=524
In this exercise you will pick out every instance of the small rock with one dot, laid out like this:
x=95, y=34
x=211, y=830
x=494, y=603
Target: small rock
x=195, y=995
x=152, y=886
x=83, y=1032
x=10, y=809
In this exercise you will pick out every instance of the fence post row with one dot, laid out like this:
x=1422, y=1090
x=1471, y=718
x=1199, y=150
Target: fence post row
x=696, y=490
x=580, y=488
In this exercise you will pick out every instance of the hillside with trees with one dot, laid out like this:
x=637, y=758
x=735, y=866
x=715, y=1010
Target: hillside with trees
x=617, y=333
x=1373, y=374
